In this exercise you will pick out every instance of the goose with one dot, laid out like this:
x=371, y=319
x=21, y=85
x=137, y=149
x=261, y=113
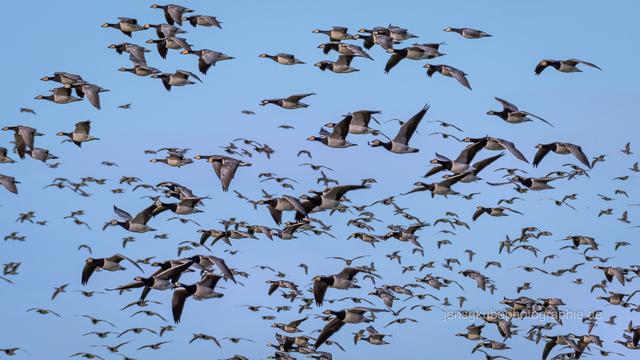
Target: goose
x=399, y=34
x=511, y=114
x=290, y=102
x=174, y=43
x=291, y=327
x=562, y=149
x=336, y=33
x=468, y=33
x=40, y=154
x=374, y=338
x=330, y=197
x=400, y=144
x=493, y=143
x=337, y=138
x=140, y=70
x=340, y=66
x=175, y=159
x=80, y=134
x=201, y=290
x=278, y=205
x=172, y=13
x=111, y=263
x=63, y=78
x=137, y=224
x=185, y=206
x=565, y=66
x=442, y=187
x=126, y=25
x=458, y=166
x=532, y=183
x=179, y=78
x=360, y=122
x=203, y=20
x=449, y=71
x=162, y=279
x=493, y=211
x=474, y=332
x=343, y=281
x=344, y=49
x=413, y=52
x=225, y=167
x=91, y=91
x=136, y=52
x=23, y=138
x=61, y=95
x=9, y=183
x=610, y=272
x=207, y=58
x=165, y=30
x=472, y=175
x=205, y=262
x=346, y=316
x=407, y=234
x=282, y=58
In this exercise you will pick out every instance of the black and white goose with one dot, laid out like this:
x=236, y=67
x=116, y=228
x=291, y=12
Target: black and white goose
x=346, y=316
x=163, y=279
x=136, y=224
x=448, y=71
x=458, y=166
x=565, y=66
x=201, y=290
x=111, y=263
x=511, y=114
x=290, y=102
x=343, y=280
x=80, y=134
x=225, y=167
x=285, y=203
x=468, y=33
x=338, y=137
x=413, y=52
x=400, y=144
x=562, y=149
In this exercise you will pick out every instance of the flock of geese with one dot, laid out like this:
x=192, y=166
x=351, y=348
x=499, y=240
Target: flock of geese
x=320, y=314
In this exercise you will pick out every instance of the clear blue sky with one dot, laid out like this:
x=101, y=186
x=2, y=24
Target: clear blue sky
x=593, y=108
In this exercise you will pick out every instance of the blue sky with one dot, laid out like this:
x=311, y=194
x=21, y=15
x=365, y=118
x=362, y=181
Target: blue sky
x=593, y=109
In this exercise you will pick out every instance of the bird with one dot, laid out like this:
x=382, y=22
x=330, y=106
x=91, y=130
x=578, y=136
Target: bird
x=468, y=33
x=565, y=66
x=400, y=144
x=448, y=71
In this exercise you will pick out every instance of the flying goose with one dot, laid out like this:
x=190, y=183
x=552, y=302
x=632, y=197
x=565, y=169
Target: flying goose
x=63, y=78
x=461, y=164
x=80, y=134
x=565, y=66
x=173, y=42
x=165, y=30
x=449, y=71
x=137, y=224
x=179, y=78
x=343, y=281
x=360, y=122
x=442, y=187
x=560, y=148
x=285, y=203
x=125, y=25
x=225, y=167
x=400, y=144
x=290, y=102
x=493, y=143
x=336, y=33
x=337, y=138
x=172, y=13
x=203, y=20
x=283, y=58
x=340, y=66
x=23, y=138
x=495, y=211
x=201, y=290
x=511, y=114
x=344, y=49
x=346, y=316
x=413, y=52
x=111, y=263
x=9, y=183
x=207, y=58
x=61, y=95
x=468, y=33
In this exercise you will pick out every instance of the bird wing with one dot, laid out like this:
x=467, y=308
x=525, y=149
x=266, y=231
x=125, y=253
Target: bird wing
x=540, y=154
x=87, y=271
x=511, y=147
x=331, y=328
x=506, y=105
x=341, y=130
x=180, y=295
x=576, y=150
x=83, y=127
x=121, y=213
